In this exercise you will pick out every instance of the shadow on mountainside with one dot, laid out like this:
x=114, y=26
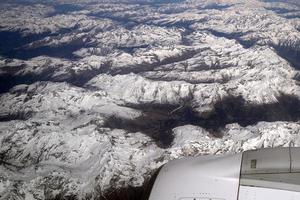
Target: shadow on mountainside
x=158, y=121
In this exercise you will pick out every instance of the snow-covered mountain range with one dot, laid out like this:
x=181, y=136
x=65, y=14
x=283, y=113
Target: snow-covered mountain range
x=95, y=95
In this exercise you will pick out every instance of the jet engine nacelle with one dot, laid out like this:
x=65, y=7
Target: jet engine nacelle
x=264, y=174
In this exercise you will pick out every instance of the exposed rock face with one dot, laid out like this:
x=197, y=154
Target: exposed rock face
x=95, y=96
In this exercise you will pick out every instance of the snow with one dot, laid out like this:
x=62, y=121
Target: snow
x=93, y=121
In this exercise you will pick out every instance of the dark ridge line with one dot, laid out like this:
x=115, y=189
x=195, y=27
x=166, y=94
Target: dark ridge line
x=13, y=45
x=150, y=67
x=297, y=77
x=167, y=79
x=292, y=17
x=293, y=2
x=8, y=81
x=155, y=2
x=158, y=121
x=12, y=40
x=64, y=8
x=63, y=51
x=291, y=55
x=19, y=115
x=215, y=6
x=131, y=49
x=235, y=36
x=279, y=10
x=186, y=25
x=16, y=116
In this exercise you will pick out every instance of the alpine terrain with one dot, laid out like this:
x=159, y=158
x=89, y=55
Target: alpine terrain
x=96, y=95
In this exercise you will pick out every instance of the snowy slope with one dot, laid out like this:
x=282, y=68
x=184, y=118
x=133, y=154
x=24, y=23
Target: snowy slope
x=96, y=95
